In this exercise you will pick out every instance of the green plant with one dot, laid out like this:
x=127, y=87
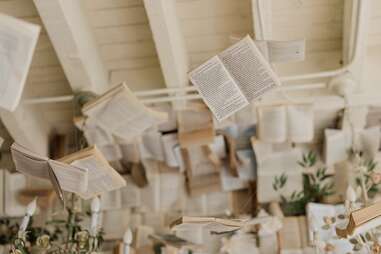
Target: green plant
x=316, y=186
x=372, y=179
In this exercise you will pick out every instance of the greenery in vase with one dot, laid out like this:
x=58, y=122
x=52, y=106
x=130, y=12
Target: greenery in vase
x=316, y=186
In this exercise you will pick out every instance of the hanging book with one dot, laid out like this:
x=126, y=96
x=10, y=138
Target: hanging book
x=293, y=123
x=62, y=176
x=101, y=176
x=18, y=40
x=120, y=112
x=231, y=80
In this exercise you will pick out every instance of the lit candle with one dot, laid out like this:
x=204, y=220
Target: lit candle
x=30, y=209
x=95, y=208
x=127, y=240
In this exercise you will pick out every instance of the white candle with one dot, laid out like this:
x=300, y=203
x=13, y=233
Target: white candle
x=95, y=208
x=30, y=209
x=127, y=240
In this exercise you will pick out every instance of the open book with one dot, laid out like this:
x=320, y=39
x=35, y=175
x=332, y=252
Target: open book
x=18, y=40
x=212, y=224
x=101, y=176
x=294, y=123
x=119, y=112
x=68, y=177
x=232, y=79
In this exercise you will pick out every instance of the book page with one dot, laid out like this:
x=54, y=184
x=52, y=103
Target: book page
x=30, y=163
x=130, y=194
x=337, y=144
x=370, y=141
x=112, y=152
x=150, y=146
x=171, y=190
x=170, y=142
x=70, y=178
x=218, y=89
x=101, y=177
x=272, y=124
x=199, y=163
x=115, y=223
x=300, y=123
x=250, y=70
x=121, y=113
x=18, y=40
x=94, y=134
x=279, y=163
x=247, y=168
x=231, y=183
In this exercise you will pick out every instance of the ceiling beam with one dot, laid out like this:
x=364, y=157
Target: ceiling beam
x=169, y=41
x=262, y=28
x=349, y=34
x=25, y=127
x=74, y=42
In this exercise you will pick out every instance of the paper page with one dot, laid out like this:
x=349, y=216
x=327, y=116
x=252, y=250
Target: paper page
x=249, y=68
x=336, y=146
x=286, y=51
x=111, y=152
x=218, y=146
x=370, y=141
x=218, y=89
x=111, y=200
x=150, y=146
x=272, y=124
x=262, y=150
x=94, y=134
x=199, y=163
x=247, y=168
x=130, y=195
x=150, y=194
x=122, y=114
x=171, y=190
x=217, y=203
x=300, y=123
x=101, y=177
x=231, y=183
x=170, y=142
x=29, y=163
x=171, y=123
x=71, y=178
x=130, y=152
x=196, y=117
x=279, y=163
x=18, y=40
x=12, y=185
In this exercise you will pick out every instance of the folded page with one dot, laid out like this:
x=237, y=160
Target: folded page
x=18, y=40
x=300, y=123
x=272, y=124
